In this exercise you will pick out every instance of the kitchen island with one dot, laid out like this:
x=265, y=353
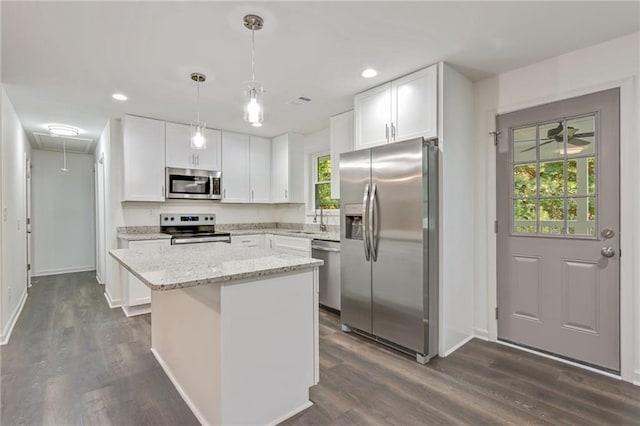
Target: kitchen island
x=234, y=328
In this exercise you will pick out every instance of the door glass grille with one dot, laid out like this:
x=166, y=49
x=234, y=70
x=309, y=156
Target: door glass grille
x=554, y=181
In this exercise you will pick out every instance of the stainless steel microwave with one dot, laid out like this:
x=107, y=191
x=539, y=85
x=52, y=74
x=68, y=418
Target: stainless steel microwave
x=193, y=184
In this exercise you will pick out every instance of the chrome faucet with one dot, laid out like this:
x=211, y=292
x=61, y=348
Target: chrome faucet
x=323, y=226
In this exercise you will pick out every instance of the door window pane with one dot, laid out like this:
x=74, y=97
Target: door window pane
x=591, y=167
x=581, y=136
x=525, y=216
x=581, y=216
x=551, y=141
x=524, y=145
x=524, y=180
x=552, y=178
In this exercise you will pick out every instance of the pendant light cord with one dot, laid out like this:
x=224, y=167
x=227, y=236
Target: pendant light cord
x=253, y=56
x=198, y=101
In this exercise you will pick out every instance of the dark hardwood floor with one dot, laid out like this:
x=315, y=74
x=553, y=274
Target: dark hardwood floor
x=72, y=360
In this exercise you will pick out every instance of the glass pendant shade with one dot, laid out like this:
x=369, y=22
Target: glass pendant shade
x=253, y=104
x=198, y=140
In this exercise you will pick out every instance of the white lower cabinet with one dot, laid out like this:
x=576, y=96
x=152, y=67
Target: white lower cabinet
x=291, y=245
x=257, y=240
x=137, y=296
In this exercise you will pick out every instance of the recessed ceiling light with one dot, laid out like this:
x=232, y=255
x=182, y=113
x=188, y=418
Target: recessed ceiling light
x=119, y=97
x=369, y=73
x=59, y=130
x=256, y=124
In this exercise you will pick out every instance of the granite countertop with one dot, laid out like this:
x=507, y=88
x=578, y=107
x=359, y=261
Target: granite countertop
x=142, y=237
x=328, y=236
x=189, y=265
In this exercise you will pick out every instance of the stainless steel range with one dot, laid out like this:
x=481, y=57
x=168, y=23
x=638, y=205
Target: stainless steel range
x=192, y=228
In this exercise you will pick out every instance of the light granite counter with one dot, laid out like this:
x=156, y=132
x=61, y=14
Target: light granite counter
x=327, y=236
x=143, y=237
x=189, y=265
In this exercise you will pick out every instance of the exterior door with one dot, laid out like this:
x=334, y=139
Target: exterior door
x=558, y=237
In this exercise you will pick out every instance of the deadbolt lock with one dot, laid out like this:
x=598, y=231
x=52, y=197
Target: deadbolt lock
x=608, y=233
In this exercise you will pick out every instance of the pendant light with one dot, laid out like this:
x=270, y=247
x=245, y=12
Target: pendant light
x=253, y=102
x=64, y=156
x=198, y=141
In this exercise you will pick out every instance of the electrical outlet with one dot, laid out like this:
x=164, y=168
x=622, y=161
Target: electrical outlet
x=5, y=214
x=18, y=224
x=150, y=212
x=10, y=290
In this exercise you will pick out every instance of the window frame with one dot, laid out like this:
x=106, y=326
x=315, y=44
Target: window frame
x=314, y=181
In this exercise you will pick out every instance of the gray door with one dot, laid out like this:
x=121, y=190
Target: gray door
x=397, y=244
x=355, y=272
x=558, y=243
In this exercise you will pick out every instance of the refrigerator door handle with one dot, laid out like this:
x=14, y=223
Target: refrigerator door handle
x=365, y=213
x=373, y=200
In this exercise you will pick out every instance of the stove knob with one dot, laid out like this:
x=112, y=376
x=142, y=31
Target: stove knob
x=211, y=218
x=206, y=218
x=166, y=218
x=172, y=219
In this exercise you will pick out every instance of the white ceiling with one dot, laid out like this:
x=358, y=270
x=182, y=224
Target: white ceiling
x=61, y=61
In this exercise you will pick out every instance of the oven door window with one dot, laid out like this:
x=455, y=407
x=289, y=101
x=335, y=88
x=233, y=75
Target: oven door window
x=197, y=185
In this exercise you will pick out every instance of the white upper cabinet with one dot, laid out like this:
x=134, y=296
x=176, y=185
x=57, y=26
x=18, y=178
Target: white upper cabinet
x=402, y=109
x=372, y=117
x=180, y=154
x=341, y=138
x=144, y=160
x=236, y=156
x=260, y=174
x=414, y=106
x=287, y=169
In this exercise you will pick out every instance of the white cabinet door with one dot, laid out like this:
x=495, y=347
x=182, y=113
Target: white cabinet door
x=292, y=245
x=373, y=117
x=260, y=170
x=143, y=148
x=341, y=139
x=179, y=153
x=138, y=293
x=210, y=158
x=178, y=146
x=287, y=166
x=235, y=168
x=414, y=105
x=249, y=240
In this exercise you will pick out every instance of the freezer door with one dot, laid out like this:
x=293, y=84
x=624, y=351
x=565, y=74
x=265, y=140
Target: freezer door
x=397, y=244
x=355, y=269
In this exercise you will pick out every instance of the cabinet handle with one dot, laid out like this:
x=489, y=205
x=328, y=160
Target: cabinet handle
x=193, y=159
x=393, y=131
x=286, y=194
x=252, y=195
x=197, y=159
x=386, y=131
x=224, y=193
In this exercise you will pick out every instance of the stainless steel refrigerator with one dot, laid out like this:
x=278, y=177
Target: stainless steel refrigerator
x=389, y=245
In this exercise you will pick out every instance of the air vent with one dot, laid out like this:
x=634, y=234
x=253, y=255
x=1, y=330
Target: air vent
x=76, y=144
x=299, y=100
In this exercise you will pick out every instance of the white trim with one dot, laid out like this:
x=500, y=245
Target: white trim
x=457, y=346
x=481, y=333
x=562, y=360
x=99, y=279
x=181, y=391
x=60, y=271
x=292, y=413
x=6, y=333
x=313, y=157
x=636, y=380
x=628, y=204
x=110, y=301
x=132, y=311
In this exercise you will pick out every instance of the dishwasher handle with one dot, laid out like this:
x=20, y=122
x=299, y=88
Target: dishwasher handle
x=334, y=250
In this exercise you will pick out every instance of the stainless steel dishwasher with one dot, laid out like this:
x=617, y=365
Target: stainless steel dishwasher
x=329, y=251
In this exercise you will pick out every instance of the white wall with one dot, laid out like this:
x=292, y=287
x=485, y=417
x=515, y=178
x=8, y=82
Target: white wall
x=15, y=150
x=615, y=63
x=63, y=213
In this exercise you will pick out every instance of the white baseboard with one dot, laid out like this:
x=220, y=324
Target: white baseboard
x=292, y=413
x=113, y=303
x=457, y=346
x=6, y=333
x=636, y=377
x=64, y=271
x=181, y=391
x=562, y=360
x=481, y=333
x=132, y=311
x=99, y=279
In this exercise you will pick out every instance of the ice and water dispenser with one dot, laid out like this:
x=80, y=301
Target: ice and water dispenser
x=353, y=221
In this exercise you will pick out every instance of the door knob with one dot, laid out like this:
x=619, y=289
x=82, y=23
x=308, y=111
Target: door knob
x=608, y=233
x=607, y=252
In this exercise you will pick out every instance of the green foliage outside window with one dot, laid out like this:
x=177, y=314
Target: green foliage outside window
x=323, y=184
